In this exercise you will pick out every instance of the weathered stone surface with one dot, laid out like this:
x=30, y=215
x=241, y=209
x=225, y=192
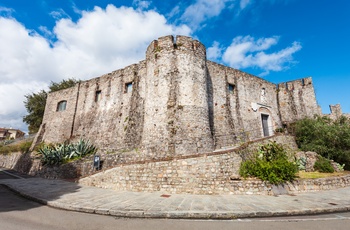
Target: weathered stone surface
x=180, y=104
x=166, y=121
x=210, y=173
x=308, y=158
x=297, y=100
x=311, y=158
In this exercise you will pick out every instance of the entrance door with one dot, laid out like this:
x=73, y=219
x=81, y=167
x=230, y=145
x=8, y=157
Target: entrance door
x=265, y=124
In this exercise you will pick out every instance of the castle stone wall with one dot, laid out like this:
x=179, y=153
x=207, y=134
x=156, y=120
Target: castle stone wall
x=58, y=124
x=239, y=110
x=174, y=103
x=297, y=100
x=104, y=113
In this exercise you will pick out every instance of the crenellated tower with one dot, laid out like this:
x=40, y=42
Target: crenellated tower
x=297, y=100
x=176, y=118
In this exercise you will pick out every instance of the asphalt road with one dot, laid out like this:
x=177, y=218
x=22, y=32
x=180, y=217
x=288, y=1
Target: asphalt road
x=19, y=213
x=11, y=174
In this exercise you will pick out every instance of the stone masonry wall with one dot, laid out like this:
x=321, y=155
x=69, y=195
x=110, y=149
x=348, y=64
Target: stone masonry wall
x=178, y=104
x=240, y=110
x=297, y=100
x=107, y=119
x=211, y=173
x=58, y=124
x=336, y=112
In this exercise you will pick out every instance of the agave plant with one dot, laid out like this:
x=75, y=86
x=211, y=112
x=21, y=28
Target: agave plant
x=60, y=153
x=49, y=155
x=83, y=148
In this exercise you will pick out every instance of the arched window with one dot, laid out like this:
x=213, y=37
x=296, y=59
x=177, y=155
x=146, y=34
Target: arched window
x=61, y=106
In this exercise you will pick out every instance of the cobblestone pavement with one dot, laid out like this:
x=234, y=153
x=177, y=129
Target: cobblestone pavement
x=71, y=196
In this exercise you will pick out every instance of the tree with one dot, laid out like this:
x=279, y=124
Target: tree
x=64, y=84
x=35, y=103
x=330, y=139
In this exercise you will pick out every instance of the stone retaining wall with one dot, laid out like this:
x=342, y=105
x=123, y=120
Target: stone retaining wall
x=20, y=162
x=214, y=174
x=210, y=173
x=313, y=185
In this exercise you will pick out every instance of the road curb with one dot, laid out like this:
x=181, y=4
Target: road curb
x=192, y=215
x=171, y=214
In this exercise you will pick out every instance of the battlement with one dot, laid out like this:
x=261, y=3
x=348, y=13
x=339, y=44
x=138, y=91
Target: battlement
x=336, y=111
x=296, y=84
x=181, y=43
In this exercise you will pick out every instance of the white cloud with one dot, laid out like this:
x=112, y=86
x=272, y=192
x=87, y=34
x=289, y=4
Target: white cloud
x=214, y=52
x=196, y=14
x=11, y=101
x=175, y=11
x=108, y=39
x=245, y=52
x=6, y=11
x=24, y=54
x=58, y=14
x=102, y=40
x=47, y=33
x=244, y=3
x=142, y=5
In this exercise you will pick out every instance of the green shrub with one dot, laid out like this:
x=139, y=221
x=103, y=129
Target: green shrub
x=270, y=163
x=271, y=152
x=22, y=147
x=62, y=153
x=25, y=146
x=6, y=149
x=323, y=165
x=330, y=139
x=279, y=130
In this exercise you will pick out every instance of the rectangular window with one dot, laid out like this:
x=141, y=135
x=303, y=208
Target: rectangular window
x=128, y=87
x=98, y=95
x=265, y=124
x=231, y=88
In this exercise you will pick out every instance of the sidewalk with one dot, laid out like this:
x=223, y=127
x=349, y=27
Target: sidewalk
x=72, y=196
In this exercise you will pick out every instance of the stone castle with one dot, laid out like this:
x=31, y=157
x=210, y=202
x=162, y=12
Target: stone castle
x=175, y=102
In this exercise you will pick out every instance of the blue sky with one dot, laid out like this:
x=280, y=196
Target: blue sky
x=279, y=40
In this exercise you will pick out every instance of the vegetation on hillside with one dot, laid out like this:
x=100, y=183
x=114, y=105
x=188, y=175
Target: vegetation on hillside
x=330, y=139
x=35, y=104
x=22, y=147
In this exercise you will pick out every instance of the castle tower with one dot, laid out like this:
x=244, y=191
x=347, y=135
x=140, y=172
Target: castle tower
x=176, y=118
x=336, y=111
x=297, y=100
